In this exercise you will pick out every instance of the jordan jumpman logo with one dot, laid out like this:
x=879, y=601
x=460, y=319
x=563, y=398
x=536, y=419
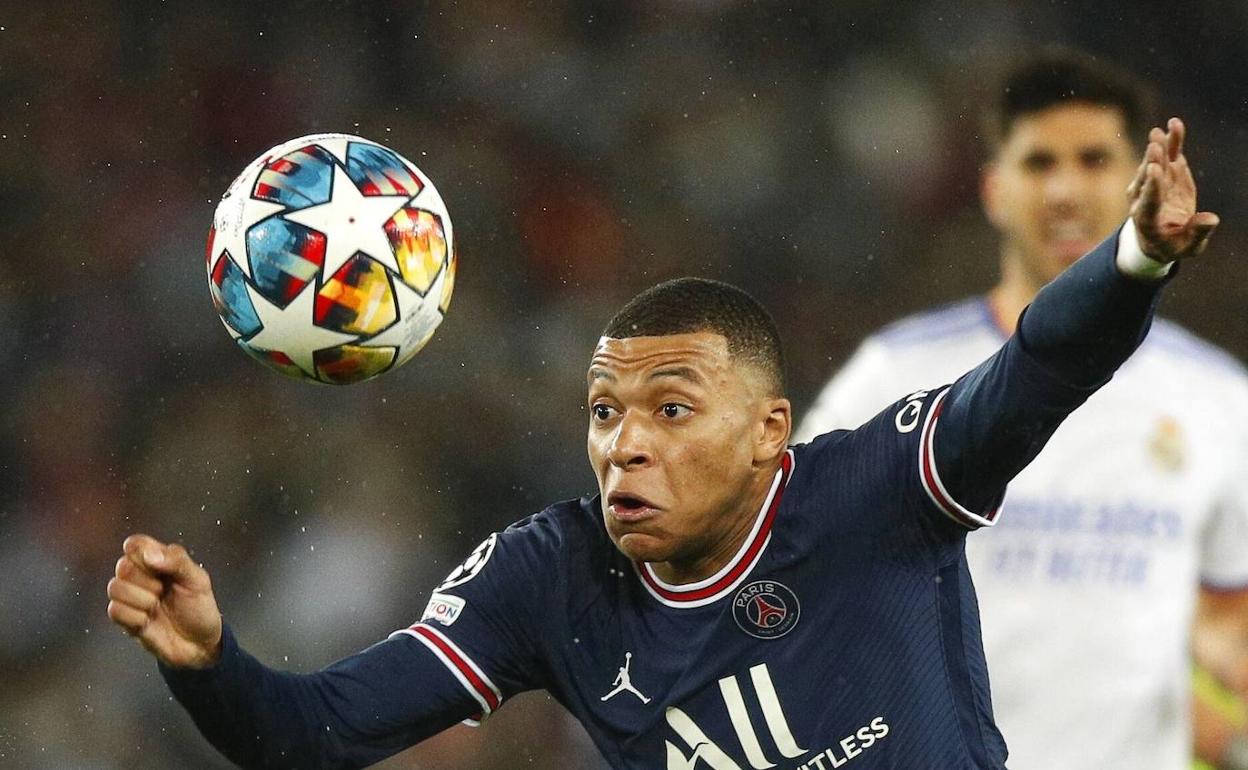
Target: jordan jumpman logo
x=623, y=682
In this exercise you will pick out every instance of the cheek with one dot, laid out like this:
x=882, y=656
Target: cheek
x=596, y=449
x=1112, y=195
x=1020, y=206
x=711, y=466
x=1030, y=208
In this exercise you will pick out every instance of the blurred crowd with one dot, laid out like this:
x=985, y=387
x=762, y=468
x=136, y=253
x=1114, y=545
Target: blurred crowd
x=823, y=155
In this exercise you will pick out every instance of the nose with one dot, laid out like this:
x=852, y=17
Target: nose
x=631, y=444
x=1064, y=186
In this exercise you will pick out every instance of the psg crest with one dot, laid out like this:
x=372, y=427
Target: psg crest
x=766, y=609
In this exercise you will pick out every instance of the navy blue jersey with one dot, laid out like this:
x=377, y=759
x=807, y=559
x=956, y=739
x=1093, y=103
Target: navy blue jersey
x=844, y=627
x=844, y=630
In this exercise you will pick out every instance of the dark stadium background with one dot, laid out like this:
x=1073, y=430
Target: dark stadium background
x=821, y=154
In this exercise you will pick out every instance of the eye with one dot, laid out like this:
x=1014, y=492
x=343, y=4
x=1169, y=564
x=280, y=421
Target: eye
x=1095, y=158
x=602, y=412
x=1039, y=162
x=672, y=411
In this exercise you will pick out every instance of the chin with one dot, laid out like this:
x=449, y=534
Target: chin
x=639, y=546
x=1065, y=257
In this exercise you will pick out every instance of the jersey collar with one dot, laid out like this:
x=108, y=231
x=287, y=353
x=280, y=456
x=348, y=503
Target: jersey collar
x=720, y=584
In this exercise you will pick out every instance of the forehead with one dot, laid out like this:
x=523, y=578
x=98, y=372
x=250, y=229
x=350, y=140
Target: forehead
x=1068, y=124
x=704, y=354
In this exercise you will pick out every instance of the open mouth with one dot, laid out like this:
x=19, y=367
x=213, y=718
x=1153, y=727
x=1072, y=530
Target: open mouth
x=629, y=507
x=1074, y=237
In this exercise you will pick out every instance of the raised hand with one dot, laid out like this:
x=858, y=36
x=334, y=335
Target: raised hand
x=164, y=599
x=1163, y=199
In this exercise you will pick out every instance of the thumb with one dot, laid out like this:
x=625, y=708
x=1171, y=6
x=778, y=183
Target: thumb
x=165, y=561
x=1203, y=225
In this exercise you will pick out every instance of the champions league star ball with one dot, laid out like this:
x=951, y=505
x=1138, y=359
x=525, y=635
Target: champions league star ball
x=331, y=258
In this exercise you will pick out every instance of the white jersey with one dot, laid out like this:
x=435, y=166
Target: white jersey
x=1087, y=586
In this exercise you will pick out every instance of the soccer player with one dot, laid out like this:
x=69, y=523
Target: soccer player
x=1137, y=512
x=726, y=601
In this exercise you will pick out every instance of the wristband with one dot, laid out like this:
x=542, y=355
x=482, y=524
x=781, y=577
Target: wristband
x=1132, y=260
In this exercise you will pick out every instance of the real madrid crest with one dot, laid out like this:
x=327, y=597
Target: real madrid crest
x=766, y=609
x=1167, y=446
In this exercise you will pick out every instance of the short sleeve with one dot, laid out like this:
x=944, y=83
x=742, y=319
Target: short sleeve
x=479, y=621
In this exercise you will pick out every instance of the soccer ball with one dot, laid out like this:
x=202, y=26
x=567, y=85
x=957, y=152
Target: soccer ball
x=331, y=258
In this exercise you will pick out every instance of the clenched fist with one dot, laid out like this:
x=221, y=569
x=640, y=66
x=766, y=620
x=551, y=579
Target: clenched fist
x=164, y=599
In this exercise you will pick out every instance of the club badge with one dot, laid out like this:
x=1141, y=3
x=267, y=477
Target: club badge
x=766, y=609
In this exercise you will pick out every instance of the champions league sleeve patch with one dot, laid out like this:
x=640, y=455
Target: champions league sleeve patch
x=471, y=566
x=766, y=609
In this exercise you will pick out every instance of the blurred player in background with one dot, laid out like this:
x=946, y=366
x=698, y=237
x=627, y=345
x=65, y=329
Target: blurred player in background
x=1134, y=519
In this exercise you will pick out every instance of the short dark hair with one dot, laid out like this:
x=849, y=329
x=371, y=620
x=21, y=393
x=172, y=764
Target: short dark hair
x=1055, y=75
x=689, y=305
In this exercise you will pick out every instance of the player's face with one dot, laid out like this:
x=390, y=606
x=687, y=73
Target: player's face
x=682, y=438
x=1058, y=185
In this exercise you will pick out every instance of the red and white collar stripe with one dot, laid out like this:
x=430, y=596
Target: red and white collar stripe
x=716, y=586
x=930, y=478
x=469, y=674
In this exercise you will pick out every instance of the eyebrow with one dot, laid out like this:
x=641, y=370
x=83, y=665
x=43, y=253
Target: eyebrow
x=682, y=372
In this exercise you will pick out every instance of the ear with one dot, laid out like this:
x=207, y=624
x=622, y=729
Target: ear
x=990, y=193
x=775, y=426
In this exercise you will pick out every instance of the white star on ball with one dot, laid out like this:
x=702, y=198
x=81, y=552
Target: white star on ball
x=351, y=222
x=336, y=146
x=231, y=226
x=290, y=330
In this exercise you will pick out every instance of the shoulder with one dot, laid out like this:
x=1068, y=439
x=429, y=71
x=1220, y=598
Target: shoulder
x=940, y=323
x=539, y=555
x=869, y=451
x=813, y=453
x=567, y=527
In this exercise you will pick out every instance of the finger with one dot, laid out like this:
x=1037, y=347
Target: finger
x=1176, y=133
x=131, y=619
x=1150, y=199
x=1203, y=224
x=162, y=560
x=128, y=593
x=1155, y=152
x=1133, y=189
x=178, y=564
x=1160, y=152
x=1205, y=220
x=1157, y=135
x=1152, y=154
x=127, y=569
x=143, y=549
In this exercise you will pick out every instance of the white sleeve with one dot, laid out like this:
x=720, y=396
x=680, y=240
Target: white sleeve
x=1224, y=542
x=854, y=395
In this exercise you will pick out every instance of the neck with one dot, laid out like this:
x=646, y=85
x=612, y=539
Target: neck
x=725, y=544
x=1013, y=292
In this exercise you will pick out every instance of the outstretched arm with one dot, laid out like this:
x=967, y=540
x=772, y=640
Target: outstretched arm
x=1076, y=333
x=354, y=713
